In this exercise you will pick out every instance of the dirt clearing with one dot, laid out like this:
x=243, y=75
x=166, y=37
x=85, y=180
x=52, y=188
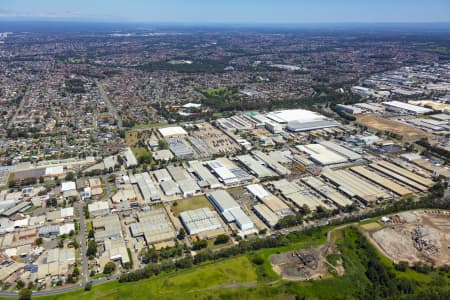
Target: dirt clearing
x=378, y=123
x=416, y=236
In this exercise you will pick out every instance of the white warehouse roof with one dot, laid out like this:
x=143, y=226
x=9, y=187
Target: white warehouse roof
x=172, y=131
x=409, y=107
x=68, y=186
x=300, y=115
x=321, y=154
x=199, y=220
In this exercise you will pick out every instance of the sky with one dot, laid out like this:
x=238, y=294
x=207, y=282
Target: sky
x=230, y=11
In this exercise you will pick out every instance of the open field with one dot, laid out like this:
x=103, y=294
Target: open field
x=414, y=237
x=148, y=126
x=173, y=286
x=381, y=124
x=371, y=226
x=191, y=203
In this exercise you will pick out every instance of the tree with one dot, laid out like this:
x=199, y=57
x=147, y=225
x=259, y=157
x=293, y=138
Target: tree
x=25, y=294
x=306, y=210
x=149, y=255
x=109, y=268
x=70, y=176
x=182, y=234
x=221, y=239
x=88, y=286
x=200, y=244
x=92, y=248
x=145, y=158
x=20, y=284
x=163, y=144
x=76, y=272
x=39, y=241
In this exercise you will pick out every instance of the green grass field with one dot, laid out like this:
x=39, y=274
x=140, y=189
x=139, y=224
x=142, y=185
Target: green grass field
x=191, y=203
x=148, y=126
x=178, y=285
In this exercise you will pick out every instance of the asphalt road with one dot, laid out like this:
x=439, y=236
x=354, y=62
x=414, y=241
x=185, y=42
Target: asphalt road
x=109, y=104
x=20, y=108
x=83, y=243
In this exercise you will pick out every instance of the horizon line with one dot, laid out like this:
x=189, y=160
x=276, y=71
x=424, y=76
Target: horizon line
x=56, y=20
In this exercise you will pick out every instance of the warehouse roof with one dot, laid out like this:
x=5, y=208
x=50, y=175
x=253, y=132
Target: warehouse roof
x=301, y=115
x=341, y=150
x=199, y=220
x=269, y=217
x=172, y=131
x=170, y=187
x=223, y=200
x=398, y=177
x=256, y=167
x=257, y=190
x=406, y=173
x=354, y=185
x=68, y=186
x=321, y=154
x=382, y=181
x=130, y=159
x=107, y=227
x=203, y=174
x=327, y=191
x=98, y=205
x=162, y=175
x=297, y=126
x=154, y=225
x=409, y=107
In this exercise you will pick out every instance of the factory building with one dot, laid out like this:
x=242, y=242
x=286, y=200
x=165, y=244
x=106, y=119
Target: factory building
x=298, y=120
x=186, y=183
x=255, y=167
x=227, y=172
x=321, y=154
x=327, y=191
x=341, y=150
x=354, y=186
x=98, y=208
x=162, y=175
x=266, y=214
x=230, y=209
x=298, y=195
x=404, y=180
x=199, y=220
x=107, y=227
x=174, y=131
x=271, y=163
x=204, y=176
x=130, y=159
x=147, y=187
x=386, y=183
x=403, y=107
x=154, y=226
x=274, y=203
x=170, y=188
x=181, y=148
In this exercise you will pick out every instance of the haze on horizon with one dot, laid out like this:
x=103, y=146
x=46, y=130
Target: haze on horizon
x=230, y=11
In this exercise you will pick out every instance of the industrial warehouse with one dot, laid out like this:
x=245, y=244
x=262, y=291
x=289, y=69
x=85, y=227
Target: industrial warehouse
x=212, y=187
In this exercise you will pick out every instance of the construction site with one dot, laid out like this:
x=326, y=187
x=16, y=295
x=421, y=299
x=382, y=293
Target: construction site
x=422, y=236
x=305, y=264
